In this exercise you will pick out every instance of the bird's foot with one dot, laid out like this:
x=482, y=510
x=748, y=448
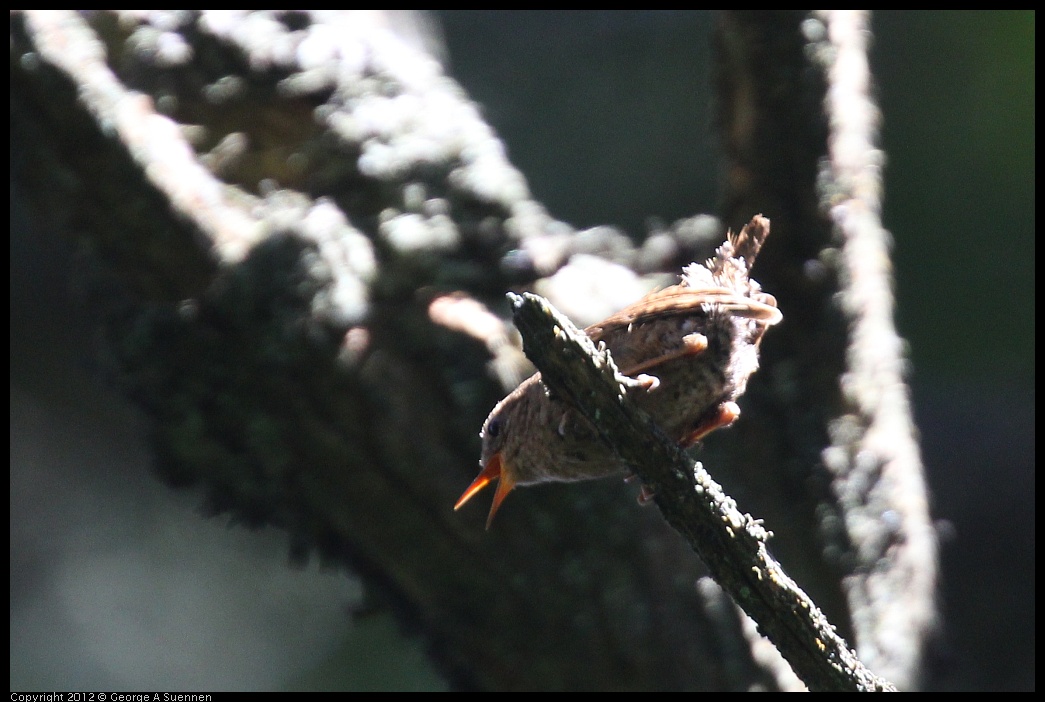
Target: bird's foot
x=725, y=414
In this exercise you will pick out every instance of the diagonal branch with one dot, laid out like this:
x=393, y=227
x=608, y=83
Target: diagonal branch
x=732, y=544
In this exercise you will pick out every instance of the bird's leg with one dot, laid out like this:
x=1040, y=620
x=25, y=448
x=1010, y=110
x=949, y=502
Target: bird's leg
x=725, y=414
x=645, y=496
x=647, y=382
x=692, y=344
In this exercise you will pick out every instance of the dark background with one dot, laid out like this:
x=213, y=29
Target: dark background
x=118, y=584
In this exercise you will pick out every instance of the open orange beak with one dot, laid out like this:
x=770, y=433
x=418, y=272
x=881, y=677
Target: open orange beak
x=491, y=471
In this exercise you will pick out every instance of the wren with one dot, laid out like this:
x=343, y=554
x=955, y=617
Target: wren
x=692, y=345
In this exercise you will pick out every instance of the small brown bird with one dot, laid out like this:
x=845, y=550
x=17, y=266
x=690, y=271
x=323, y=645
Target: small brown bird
x=699, y=337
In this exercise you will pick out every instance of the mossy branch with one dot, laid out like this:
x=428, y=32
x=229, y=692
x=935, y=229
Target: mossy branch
x=731, y=543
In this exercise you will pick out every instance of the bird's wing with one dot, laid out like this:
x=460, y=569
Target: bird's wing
x=681, y=301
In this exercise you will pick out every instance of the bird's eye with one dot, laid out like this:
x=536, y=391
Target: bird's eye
x=493, y=427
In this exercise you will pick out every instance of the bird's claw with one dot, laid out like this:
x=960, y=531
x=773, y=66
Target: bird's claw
x=647, y=382
x=646, y=493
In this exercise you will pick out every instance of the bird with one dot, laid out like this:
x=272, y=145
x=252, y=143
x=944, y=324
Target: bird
x=692, y=347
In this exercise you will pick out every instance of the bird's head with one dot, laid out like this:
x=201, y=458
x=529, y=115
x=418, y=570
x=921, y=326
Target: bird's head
x=493, y=465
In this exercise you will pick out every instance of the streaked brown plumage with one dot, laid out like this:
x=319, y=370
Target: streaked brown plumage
x=697, y=343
